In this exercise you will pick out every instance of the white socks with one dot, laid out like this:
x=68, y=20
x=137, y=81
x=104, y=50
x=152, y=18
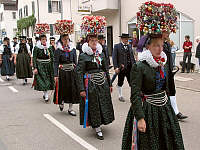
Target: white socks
x=98, y=131
x=46, y=95
x=70, y=106
x=120, y=91
x=174, y=104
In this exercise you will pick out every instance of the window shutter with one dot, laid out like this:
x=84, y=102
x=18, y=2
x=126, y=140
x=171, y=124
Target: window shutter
x=26, y=10
x=60, y=6
x=49, y=6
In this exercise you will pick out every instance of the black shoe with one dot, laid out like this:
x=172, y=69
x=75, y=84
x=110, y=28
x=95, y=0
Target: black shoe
x=61, y=106
x=99, y=137
x=182, y=71
x=46, y=101
x=121, y=99
x=180, y=116
x=72, y=113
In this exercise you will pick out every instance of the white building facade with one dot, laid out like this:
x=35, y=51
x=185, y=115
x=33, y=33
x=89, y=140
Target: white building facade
x=8, y=14
x=121, y=18
x=48, y=11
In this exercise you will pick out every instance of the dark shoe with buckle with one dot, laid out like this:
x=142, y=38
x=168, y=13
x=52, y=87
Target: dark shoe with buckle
x=180, y=116
x=121, y=99
x=71, y=112
x=100, y=137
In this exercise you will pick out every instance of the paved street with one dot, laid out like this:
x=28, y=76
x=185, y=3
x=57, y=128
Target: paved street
x=25, y=123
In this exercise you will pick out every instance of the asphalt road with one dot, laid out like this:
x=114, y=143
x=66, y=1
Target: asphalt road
x=27, y=123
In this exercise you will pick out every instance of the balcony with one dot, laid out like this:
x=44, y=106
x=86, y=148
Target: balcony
x=99, y=6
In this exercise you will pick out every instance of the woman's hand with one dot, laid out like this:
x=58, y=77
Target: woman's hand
x=142, y=125
x=35, y=71
x=0, y=62
x=83, y=94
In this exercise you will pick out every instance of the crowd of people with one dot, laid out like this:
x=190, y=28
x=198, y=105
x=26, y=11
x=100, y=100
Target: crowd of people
x=148, y=65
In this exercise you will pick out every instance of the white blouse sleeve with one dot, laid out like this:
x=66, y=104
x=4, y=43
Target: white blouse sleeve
x=17, y=49
x=1, y=49
x=28, y=48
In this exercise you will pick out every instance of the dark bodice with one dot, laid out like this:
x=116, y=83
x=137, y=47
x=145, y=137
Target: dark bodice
x=7, y=50
x=22, y=48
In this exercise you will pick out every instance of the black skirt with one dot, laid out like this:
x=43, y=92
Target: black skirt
x=67, y=88
x=23, y=67
x=8, y=67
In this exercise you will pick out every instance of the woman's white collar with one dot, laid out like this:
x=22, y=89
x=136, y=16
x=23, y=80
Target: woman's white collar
x=88, y=50
x=59, y=46
x=148, y=57
x=40, y=46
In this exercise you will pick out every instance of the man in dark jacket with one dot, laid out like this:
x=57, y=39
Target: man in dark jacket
x=102, y=41
x=123, y=58
x=171, y=82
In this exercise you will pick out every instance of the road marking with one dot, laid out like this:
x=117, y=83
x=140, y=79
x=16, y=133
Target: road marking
x=178, y=78
x=70, y=133
x=1, y=80
x=13, y=89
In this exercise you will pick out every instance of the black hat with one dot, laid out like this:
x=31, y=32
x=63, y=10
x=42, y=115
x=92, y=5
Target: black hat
x=6, y=39
x=124, y=35
x=22, y=37
x=52, y=38
x=100, y=37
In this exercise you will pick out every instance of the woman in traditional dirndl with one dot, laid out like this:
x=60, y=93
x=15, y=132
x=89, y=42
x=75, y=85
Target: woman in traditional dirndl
x=23, y=60
x=151, y=123
x=65, y=61
x=43, y=67
x=6, y=60
x=96, y=108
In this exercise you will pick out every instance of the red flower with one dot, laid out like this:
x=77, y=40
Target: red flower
x=162, y=59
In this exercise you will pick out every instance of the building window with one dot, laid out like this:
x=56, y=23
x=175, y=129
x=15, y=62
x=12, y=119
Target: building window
x=14, y=15
x=26, y=11
x=54, y=6
x=1, y=17
x=33, y=7
x=20, y=13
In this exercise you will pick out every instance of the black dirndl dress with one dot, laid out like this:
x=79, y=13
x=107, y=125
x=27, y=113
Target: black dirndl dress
x=64, y=69
x=8, y=67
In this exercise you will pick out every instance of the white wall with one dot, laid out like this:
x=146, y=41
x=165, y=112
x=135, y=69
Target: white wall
x=50, y=18
x=8, y=24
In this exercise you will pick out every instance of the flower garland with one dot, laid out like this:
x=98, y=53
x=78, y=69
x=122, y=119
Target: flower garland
x=42, y=29
x=64, y=27
x=93, y=24
x=155, y=18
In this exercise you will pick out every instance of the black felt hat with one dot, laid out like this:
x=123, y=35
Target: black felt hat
x=125, y=35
